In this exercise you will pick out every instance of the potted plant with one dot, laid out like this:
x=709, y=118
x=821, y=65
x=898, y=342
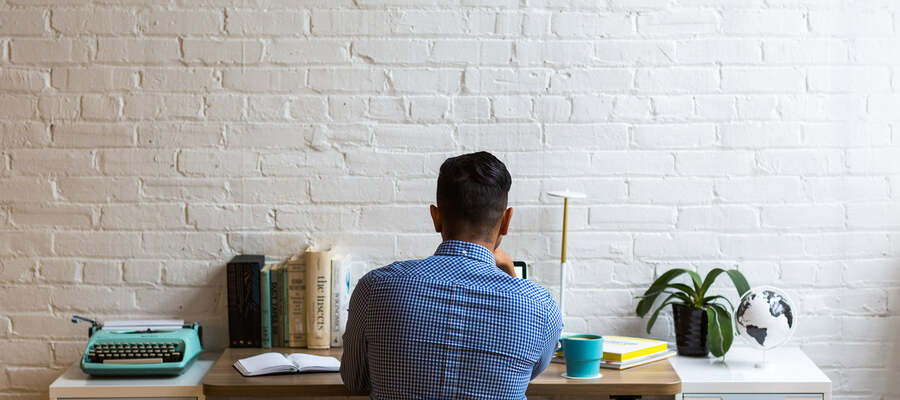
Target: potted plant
x=701, y=322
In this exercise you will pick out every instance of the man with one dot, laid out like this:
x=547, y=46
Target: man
x=459, y=324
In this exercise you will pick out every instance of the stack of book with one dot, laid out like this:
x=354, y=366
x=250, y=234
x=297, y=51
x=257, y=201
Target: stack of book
x=300, y=302
x=621, y=352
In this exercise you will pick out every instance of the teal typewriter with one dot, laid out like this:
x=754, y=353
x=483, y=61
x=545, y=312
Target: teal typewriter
x=139, y=349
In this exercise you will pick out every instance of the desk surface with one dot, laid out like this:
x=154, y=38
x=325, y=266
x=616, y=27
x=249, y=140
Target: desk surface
x=787, y=370
x=225, y=381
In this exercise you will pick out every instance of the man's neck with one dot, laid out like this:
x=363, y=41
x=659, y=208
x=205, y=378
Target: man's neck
x=488, y=245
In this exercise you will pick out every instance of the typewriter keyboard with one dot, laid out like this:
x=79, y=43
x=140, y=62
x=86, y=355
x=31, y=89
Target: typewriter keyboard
x=136, y=353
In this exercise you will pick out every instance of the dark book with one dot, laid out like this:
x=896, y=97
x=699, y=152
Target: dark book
x=276, y=292
x=244, y=308
x=265, y=294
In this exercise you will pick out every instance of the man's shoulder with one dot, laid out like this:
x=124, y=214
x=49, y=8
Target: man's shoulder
x=394, y=269
x=424, y=269
x=436, y=268
x=535, y=291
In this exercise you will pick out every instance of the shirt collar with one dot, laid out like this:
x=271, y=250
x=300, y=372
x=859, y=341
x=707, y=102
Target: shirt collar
x=460, y=248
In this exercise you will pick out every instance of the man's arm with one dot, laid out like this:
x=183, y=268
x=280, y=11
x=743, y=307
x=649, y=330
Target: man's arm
x=354, y=362
x=504, y=262
x=552, y=328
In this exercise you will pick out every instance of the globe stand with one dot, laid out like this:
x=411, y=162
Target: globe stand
x=771, y=315
x=762, y=364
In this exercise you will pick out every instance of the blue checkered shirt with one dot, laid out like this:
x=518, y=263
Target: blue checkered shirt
x=451, y=326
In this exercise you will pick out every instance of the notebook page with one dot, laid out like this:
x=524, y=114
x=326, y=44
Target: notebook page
x=313, y=363
x=266, y=363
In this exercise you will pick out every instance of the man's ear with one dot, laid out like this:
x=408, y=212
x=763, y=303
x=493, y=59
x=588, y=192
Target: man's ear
x=504, y=221
x=436, y=218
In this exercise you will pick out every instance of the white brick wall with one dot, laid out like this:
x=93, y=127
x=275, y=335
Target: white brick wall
x=143, y=143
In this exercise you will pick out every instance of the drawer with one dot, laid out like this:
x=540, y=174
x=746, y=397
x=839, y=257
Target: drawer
x=752, y=396
x=127, y=398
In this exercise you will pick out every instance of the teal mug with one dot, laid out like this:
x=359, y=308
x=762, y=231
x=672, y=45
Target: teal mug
x=583, y=354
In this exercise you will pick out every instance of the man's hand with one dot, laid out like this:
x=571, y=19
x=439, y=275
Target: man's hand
x=504, y=262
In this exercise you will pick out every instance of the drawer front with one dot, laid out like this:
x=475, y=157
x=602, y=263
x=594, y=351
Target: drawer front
x=752, y=396
x=127, y=398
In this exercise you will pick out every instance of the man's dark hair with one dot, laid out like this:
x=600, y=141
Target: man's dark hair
x=472, y=192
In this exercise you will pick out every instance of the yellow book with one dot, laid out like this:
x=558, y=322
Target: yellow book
x=620, y=348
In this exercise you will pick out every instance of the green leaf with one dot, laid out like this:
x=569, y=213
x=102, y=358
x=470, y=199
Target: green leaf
x=740, y=283
x=711, y=300
x=645, y=304
x=710, y=279
x=679, y=295
x=646, y=295
x=665, y=303
x=655, y=289
x=684, y=288
x=666, y=277
x=695, y=278
x=725, y=327
x=683, y=297
x=713, y=333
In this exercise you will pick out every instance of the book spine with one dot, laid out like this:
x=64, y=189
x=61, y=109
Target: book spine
x=340, y=299
x=234, y=317
x=285, y=308
x=251, y=282
x=318, y=299
x=276, y=316
x=243, y=304
x=265, y=327
x=296, y=303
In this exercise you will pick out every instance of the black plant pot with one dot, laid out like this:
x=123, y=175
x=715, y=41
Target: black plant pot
x=690, y=330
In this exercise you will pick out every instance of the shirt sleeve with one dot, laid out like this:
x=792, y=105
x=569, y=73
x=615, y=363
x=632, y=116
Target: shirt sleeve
x=354, y=362
x=552, y=329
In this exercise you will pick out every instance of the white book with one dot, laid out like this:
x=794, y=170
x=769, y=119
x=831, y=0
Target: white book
x=638, y=361
x=340, y=298
x=277, y=363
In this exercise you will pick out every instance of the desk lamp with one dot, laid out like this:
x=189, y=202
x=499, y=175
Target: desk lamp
x=565, y=195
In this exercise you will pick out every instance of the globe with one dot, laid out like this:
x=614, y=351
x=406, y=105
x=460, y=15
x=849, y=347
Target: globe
x=766, y=317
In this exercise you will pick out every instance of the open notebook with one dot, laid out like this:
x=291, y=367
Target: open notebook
x=277, y=363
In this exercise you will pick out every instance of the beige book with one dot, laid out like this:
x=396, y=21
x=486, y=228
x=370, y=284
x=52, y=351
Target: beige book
x=318, y=299
x=296, y=303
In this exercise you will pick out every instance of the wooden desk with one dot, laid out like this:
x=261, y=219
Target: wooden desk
x=658, y=379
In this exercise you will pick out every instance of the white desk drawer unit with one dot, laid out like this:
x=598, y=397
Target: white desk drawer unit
x=752, y=396
x=787, y=375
